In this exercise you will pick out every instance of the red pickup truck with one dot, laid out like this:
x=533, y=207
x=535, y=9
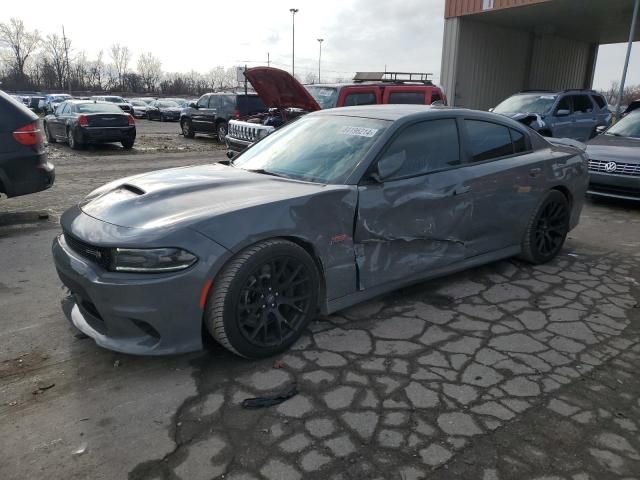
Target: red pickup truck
x=286, y=98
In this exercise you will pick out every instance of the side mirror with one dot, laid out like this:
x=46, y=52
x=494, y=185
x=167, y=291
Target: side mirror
x=491, y=109
x=601, y=129
x=389, y=164
x=231, y=154
x=563, y=113
x=193, y=105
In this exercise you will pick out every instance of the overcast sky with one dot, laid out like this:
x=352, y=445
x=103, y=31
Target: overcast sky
x=360, y=35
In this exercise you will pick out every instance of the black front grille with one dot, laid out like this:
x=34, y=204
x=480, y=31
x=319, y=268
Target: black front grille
x=99, y=255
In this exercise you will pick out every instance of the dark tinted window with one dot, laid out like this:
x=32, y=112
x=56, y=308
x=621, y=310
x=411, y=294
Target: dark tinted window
x=249, y=104
x=98, y=108
x=227, y=103
x=519, y=142
x=564, y=104
x=213, y=101
x=353, y=99
x=426, y=146
x=599, y=100
x=202, y=102
x=581, y=103
x=407, y=97
x=488, y=140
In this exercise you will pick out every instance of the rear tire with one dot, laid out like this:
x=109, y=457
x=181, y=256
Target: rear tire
x=263, y=299
x=547, y=229
x=50, y=138
x=71, y=140
x=221, y=130
x=128, y=144
x=187, y=129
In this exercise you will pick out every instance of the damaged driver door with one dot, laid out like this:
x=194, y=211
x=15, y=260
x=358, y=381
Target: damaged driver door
x=413, y=216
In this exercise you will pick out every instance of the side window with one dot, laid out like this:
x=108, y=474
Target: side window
x=362, y=98
x=426, y=146
x=487, y=140
x=416, y=98
x=599, y=100
x=203, y=101
x=582, y=104
x=564, y=104
x=519, y=142
x=214, y=101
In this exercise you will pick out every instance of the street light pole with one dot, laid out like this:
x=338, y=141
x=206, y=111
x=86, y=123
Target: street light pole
x=320, y=40
x=634, y=19
x=293, y=49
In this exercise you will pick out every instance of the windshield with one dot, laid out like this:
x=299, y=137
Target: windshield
x=60, y=98
x=113, y=99
x=629, y=126
x=137, y=103
x=98, y=108
x=167, y=104
x=537, y=103
x=323, y=149
x=327, y=97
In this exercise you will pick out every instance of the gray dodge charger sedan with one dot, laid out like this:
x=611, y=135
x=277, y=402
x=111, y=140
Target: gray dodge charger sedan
x=332, y=209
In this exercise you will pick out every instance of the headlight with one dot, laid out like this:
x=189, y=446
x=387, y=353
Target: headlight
x=262, y=134
x=151, y=260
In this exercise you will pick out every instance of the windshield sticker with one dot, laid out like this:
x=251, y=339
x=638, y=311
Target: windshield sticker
x=547, y=97
x=325, y=92
x=358, y=131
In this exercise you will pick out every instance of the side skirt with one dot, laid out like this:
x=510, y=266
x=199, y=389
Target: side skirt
x=361, y=296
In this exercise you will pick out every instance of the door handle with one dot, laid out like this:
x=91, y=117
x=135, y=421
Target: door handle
x=462, y=189
x=534, y=172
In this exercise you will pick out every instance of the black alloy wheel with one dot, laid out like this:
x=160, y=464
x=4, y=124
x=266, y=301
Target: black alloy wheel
x=548, y=229
x=71, y=140
x=187, y=129
x=263, y=299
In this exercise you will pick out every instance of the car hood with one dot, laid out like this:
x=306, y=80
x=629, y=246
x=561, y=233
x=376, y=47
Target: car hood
x=615, y=149
x=278, y=88
x=186, y=195
x=526, y=117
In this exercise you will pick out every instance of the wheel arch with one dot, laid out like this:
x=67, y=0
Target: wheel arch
x=566, y=192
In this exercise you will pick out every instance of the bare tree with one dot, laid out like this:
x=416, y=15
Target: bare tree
x=120, y=56
x=56, y=48
x=310, y=78
x=21, y=42
x=96, y=72
x=150, y=70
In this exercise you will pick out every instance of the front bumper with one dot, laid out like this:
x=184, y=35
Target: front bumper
x=626, y=187
x=237, y=145
x=140, y=314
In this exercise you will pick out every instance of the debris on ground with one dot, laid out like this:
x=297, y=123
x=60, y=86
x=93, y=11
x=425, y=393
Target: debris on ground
x=43, y=388
x=80, y=450
x=270, y=400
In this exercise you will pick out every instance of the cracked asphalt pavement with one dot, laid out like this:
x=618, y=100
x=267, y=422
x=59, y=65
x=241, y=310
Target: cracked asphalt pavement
x=507, y=371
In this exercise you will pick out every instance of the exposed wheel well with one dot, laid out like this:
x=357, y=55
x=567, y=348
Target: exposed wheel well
x=565, y=191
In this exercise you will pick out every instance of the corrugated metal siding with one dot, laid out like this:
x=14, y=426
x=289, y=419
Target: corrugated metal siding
x=559, y=63
x=449, y=57
x=456, y=8
x=492, y=64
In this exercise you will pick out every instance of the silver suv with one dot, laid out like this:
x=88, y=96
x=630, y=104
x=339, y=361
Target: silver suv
x=573, y=114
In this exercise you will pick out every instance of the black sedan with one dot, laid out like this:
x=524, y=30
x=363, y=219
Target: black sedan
x=614, y=160
x=84, y=122
x=163, y=110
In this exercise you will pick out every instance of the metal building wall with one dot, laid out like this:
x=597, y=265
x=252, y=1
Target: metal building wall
x=489, y=63
x=558, y=63
x=456, y=8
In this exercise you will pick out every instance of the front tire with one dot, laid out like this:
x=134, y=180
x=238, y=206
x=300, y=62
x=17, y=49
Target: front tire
x=263, y=299
x=187, y=129
x=547, y=229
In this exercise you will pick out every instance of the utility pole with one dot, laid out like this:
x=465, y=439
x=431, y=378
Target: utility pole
x=634, y=20
x=66, y=55
x=293, y=48
x=320, y=40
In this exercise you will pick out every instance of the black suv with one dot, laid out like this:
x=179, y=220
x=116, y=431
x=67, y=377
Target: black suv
x=212, y=112
x=23, y=161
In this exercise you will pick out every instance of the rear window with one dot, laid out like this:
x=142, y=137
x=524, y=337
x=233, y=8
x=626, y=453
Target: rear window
x=114, y=99
x=98, y=108
x=414, y=98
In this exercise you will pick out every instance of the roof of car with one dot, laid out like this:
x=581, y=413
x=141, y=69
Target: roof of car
x=388, y=111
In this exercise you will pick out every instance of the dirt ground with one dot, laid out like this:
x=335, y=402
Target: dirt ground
x=503, y=372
